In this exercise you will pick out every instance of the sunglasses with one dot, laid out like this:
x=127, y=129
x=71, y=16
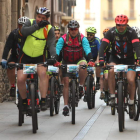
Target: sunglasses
x=121, y=25
x=73, y=29
x=90, y=34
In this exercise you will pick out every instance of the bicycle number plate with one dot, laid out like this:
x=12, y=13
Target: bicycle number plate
x=29, y=68
x=120, y=68
x=137, y=68
x=90, y=69
x=72, y=68
x=53, y=69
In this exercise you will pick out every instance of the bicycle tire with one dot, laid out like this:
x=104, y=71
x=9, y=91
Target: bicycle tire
x=57, y=98
x=93, y=97
x=52, y=96
x=21, y=115
x=33, y=104
x=73, y=89
x=136, y=117
x=120, y=107
x=89, y=93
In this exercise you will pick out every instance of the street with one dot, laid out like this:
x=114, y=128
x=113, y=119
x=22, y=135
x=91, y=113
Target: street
x=94, y=124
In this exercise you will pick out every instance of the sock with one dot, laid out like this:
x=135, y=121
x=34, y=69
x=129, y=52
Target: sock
x=106, y=92
x=131, y=102
x=61, y=84
x=12, y=85
x=66, y=106
x=112, y=95
x=43, y=99
x=81, y=85
x=24, y=101
x=98, y=78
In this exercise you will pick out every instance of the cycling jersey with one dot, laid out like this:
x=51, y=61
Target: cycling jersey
x=74, y=45
x=122, y=44
x=95, y=45
x=13, y=43
x=35, y=42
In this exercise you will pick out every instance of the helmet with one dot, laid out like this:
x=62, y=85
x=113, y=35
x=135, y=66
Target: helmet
x=91, y=30
x=43, y=11
x=121, y=19
x=22, y=20
x=137, y=30
x=105, y=30
x=56, y=28
x=73, y=24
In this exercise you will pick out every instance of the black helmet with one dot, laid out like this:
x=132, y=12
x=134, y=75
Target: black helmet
x=73, y=24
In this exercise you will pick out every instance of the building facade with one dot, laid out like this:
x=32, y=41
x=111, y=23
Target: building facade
x=87, y=13
x=111, y=8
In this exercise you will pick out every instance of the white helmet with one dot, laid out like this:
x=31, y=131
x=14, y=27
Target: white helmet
x=22, y=20
x=137, y=30
x=43, y=11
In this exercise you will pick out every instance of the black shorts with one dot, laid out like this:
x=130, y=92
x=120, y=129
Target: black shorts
x=125, y=61
x=64, y=71
x=25, y=59
x=13, y=58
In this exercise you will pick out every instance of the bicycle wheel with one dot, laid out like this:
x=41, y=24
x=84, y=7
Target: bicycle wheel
x=73, y=89
x=89, y=92
x=33, y=104
x=93, y=96
x=57, y=98
x=21, y=115
x=120, y=107
x=137, y=101
x=52, y=96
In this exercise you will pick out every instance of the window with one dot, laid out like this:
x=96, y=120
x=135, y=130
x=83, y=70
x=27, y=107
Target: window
x=87, y=11
x=110, y=8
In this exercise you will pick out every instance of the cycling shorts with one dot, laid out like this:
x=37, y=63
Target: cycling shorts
x=13, y=58
x=64, y=71
x=103, y=71
x=25, y=59
x=126, y=61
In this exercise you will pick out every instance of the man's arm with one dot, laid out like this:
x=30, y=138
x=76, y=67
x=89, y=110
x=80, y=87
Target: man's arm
x=98, y=43
x=51, y=42
x=8, y=45
x=27, y=29
x=104, y=44
x=59, y=45
x=136, y=44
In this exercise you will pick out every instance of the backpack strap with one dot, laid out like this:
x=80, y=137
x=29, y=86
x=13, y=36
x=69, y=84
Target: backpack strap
x=67, y=38
x=46, y=31
x=79, y=39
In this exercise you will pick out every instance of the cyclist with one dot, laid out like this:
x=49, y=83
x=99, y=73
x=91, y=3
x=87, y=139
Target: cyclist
x=95, y=45
x=57, y=32
x=123, y=39
x=104, y=73
x=72, y=45
x=137, y=30
x=39, y=34
x=57, y=36
x=13, y=43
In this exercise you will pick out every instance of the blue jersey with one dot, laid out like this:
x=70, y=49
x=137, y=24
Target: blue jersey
x=95, y=45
